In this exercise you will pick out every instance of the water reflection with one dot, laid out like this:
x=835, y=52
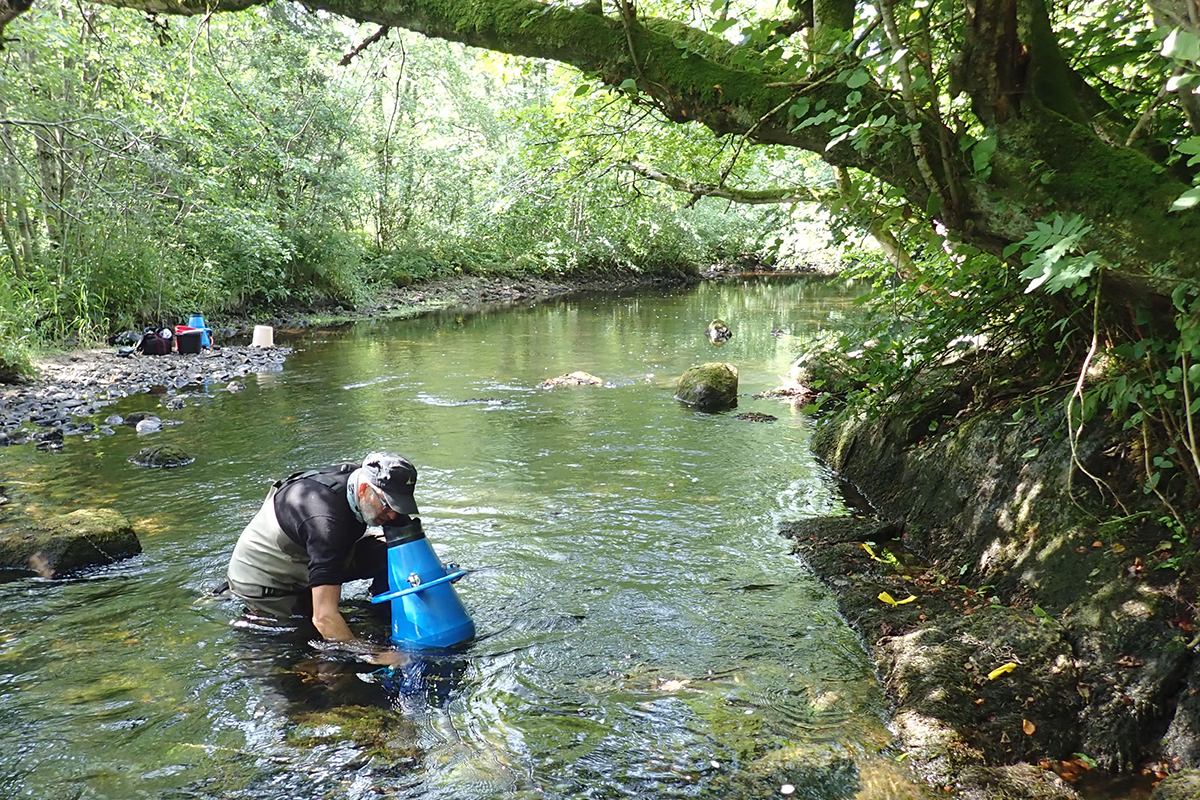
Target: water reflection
x=643, y=631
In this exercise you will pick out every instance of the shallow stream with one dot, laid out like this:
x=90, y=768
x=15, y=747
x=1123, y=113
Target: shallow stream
x=644, y=631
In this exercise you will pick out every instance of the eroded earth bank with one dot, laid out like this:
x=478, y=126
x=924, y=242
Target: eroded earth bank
x=1029, y=649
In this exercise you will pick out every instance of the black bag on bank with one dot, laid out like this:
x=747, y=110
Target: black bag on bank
x=155, y=342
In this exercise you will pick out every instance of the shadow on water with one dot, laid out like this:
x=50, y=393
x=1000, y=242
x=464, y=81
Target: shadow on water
x=394, y=718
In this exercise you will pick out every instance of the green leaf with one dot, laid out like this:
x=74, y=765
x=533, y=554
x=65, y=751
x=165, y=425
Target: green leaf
x=1188, y=199
x=981, y=153
x=933, y=206
x=1183, y=82
x=1179, y=297
x=858, y=79
x=583, y=89
x=628, y=85
x=1189, y=146
x=1182, y=45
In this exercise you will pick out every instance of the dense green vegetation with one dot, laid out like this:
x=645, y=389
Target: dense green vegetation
x=244, y=163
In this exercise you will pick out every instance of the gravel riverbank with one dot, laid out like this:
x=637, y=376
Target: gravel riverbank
x=71, y=388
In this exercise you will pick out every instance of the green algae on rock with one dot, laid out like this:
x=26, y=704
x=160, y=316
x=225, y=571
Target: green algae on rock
x=161, y=457
x=709, y=387
x=66, y=544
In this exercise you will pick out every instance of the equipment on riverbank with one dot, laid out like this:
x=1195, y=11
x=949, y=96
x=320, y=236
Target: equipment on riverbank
x=156, y=342
x=196, y=320
x=426, y=611
x=188, y=339
x=264, y=336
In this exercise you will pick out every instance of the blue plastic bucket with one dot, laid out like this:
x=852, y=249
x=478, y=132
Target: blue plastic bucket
x=196, y=320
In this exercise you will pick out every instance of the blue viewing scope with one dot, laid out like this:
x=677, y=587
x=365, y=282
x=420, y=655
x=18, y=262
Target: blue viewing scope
x=426, y=611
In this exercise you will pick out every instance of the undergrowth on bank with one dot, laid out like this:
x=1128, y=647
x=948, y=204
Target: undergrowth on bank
x=1049, y=332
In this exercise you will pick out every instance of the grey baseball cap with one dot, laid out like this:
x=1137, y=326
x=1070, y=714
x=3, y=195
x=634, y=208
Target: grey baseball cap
x=395, y=477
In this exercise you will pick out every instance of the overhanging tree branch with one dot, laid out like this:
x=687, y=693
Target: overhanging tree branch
x=794, y=194
x=1045, y=155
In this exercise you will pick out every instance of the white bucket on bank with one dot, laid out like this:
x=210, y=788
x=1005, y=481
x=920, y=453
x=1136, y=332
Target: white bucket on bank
x=264, y=336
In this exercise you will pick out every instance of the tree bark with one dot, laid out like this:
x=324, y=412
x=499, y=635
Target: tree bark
x=798, y=194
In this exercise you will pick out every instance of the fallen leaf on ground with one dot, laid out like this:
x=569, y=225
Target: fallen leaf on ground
x=1000, y=670
x=1028, y=727
x=891, y=601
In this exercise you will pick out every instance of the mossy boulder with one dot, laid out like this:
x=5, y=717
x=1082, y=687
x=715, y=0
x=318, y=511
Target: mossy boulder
x=1181, y=786
x=709, y=387
x=827, y=370
x=380, y=732
x=161, y=457
x=65, y=544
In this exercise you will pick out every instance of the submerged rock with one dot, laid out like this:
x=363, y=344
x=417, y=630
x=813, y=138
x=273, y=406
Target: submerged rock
x=709, y=387
x=161, y=457
x=66, y=544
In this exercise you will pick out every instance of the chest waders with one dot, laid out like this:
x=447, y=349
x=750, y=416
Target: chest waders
x=268, y=570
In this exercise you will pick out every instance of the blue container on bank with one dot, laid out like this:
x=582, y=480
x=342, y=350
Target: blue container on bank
x=196, y=320
x=426, y=611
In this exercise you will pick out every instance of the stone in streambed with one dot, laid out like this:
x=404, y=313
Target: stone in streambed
x=66, y=544
x=571, y=379
x=709, y=387
x=162, y=457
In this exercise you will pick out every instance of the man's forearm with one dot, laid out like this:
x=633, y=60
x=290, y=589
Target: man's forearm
x=327, y=618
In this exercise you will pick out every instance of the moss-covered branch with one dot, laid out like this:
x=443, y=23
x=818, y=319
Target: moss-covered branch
x=794, y=194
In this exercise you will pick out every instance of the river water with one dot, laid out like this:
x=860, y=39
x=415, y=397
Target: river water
x=643, y=630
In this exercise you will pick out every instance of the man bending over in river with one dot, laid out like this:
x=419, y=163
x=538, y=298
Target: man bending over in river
x=315, y=531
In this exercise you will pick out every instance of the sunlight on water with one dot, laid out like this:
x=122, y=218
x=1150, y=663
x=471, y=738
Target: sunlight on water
x=643, y=630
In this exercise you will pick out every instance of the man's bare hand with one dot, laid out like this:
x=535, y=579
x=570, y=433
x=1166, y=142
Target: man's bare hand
x=387, y=658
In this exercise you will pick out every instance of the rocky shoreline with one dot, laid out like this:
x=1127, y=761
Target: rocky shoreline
x=72, y=388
